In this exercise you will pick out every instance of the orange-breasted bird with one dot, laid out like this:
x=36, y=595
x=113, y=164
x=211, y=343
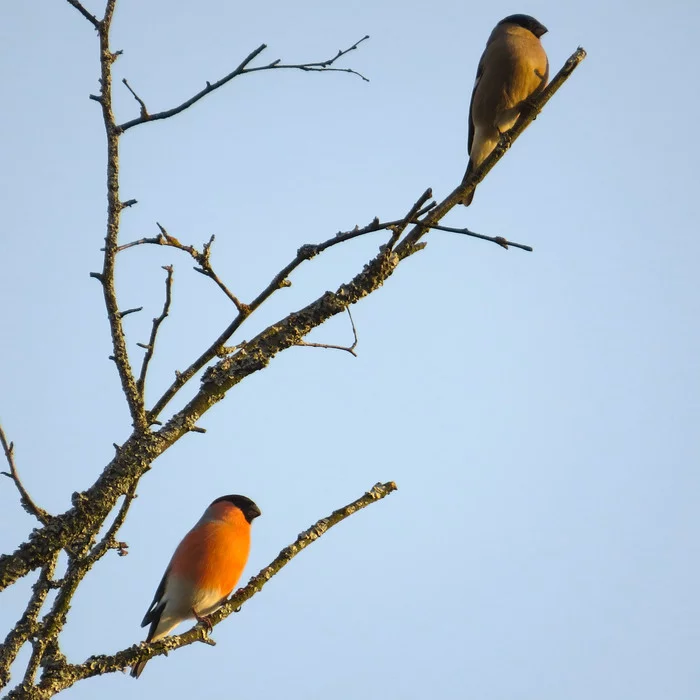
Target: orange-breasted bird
x=513, y=68
x=203, y=570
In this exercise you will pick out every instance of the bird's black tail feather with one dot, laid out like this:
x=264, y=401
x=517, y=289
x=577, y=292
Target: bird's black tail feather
x=468, y=199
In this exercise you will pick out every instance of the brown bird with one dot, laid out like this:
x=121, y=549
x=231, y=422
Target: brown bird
x=204, y=568
x=513, y=68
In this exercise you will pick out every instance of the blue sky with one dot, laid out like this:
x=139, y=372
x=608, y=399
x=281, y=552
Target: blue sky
x=539, y=411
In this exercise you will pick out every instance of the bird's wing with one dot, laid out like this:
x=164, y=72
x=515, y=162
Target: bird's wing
x=479, y=74
x=155, y=609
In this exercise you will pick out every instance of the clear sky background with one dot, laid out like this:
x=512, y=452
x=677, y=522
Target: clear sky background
x=539, y=411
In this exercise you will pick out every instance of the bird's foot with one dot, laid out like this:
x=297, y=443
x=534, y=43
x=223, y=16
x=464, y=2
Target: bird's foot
x=528, y=106
x=203, y=620
x=236, y=592
x=505, y=139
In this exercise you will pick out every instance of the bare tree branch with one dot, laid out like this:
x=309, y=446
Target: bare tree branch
x=150, y=348
x=399, y=228
x=114, y=209
x=310, y=250
x=503, y=242
x=142, y=104
x=350, y=348
x=319, y=66
x=127, y=312
x=109, y=540
x=89, y=17
x=63, y=675
x=306, y=252
x=27, y=625
x=205, y=268
x=25, y=499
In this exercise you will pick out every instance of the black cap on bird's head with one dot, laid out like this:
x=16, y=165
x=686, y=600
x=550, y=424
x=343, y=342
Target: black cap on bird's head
x=526, y=22
x=247, y=507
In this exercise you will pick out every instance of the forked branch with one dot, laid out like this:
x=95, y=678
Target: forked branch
x=25, y=499
x=243, y=68
x=346, y=348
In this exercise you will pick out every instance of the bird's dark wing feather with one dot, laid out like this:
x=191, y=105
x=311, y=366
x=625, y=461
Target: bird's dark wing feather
x=155, y=609
x=479, y=73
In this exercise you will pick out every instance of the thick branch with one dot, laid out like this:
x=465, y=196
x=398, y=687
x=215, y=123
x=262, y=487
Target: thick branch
x=64, y=675
x=90, y=508
x=46, y=652
x=27, y=625
x=45, y=642
x=319, y=66
x=25, y=499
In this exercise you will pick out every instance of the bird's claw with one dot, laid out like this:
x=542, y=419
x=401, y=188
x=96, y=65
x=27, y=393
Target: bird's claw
x=528, y=106
x=203, y=620
x=505, y=139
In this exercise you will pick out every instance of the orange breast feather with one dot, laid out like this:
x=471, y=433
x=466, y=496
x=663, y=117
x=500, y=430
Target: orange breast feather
x=214, y=554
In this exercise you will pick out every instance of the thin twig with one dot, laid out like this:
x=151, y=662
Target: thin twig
x=25, y=499
x=203, y=259
x=503, y=242
x=398, y=229
x=309, y=250
x=89, y=17
x=144, y=109
x=141, y=381
x=155, y=240
x=319, y=66
x=109, y=540
x=130, y=311
x=350, y=349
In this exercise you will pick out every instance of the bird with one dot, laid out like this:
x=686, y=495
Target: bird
x=204, y=569
x=513, y=68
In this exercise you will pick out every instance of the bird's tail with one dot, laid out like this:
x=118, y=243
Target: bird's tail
x=468, y=199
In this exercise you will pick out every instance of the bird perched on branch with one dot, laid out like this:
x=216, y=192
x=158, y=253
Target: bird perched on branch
x=512, y=69
x=204, y=568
